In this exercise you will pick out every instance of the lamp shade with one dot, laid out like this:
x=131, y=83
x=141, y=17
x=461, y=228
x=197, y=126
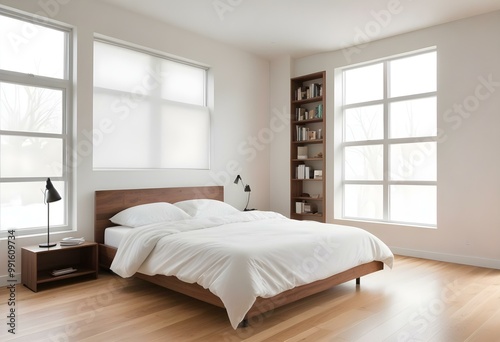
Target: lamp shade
x=51, y=194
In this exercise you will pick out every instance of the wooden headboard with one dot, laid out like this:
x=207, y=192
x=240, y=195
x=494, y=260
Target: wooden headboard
x=111, y=202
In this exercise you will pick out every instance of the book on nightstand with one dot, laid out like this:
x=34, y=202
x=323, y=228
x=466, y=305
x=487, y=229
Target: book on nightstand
x=71, y=241
x=63, y=271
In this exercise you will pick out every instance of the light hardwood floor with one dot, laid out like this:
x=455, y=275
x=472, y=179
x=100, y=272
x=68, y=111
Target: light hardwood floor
x=418, y=300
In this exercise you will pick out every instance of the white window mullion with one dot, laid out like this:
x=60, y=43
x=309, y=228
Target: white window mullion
x=386, y=141
x=407, y=143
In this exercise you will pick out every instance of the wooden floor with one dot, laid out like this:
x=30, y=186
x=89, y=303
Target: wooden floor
x=418, y=300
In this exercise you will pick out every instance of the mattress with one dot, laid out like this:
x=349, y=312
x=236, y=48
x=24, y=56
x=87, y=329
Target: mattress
x=114, y=235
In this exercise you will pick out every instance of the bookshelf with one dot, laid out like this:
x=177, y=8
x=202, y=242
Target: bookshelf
x=307, y=147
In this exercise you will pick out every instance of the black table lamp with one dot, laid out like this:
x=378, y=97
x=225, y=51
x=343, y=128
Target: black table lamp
x=50, y=195
x=246, y=188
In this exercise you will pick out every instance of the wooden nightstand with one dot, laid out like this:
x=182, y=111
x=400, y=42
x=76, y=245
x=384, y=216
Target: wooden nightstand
x=38, y=263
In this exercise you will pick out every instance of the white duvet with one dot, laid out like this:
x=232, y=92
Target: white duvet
x=246, y=255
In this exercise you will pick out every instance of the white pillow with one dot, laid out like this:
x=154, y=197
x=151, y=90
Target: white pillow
x=200, y=208
x=143, y=214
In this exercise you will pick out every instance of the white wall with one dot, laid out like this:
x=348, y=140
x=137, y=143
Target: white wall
x=468, y=157
x=239, y=104
x=280, y=74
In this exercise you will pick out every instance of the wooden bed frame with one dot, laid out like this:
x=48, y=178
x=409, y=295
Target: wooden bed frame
x=110, y=202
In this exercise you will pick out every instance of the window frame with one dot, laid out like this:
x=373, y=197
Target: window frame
x=64, y=85
x=386, y=142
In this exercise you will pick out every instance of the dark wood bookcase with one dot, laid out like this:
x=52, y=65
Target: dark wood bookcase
x=307, y=147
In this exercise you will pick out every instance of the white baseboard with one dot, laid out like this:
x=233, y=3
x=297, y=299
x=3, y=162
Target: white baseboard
x=4, y=283
x=457, y=259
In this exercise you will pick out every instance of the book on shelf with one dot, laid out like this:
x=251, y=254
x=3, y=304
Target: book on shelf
x=312, y=114
x=309, y=114
x=299, y=171
x=72, y=241
x=302, y=152
x=303, y=171
x=302, y=93
x=304, y=133
x=300, y=114
x=315, y=90
x=305, y=208
x=319, y=111
x=309, y=92
x=299, y=207
x=309, y=208
x=301, y=132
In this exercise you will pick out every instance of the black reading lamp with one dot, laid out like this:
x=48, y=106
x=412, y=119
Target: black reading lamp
x=50, y=195
x=246, y=188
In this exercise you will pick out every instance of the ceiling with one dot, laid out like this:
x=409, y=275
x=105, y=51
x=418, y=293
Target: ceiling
x=271, y=28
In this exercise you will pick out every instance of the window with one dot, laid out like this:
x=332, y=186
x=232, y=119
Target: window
x=149, y=111
x=35, y=96
x=389, y=144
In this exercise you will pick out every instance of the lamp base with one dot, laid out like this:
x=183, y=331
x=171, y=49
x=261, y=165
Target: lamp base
x=47, y=245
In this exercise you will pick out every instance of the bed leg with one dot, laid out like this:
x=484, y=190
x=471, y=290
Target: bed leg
x=358, y=281
x=243, y=323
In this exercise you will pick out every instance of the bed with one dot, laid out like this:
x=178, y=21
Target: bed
x=173, y=237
